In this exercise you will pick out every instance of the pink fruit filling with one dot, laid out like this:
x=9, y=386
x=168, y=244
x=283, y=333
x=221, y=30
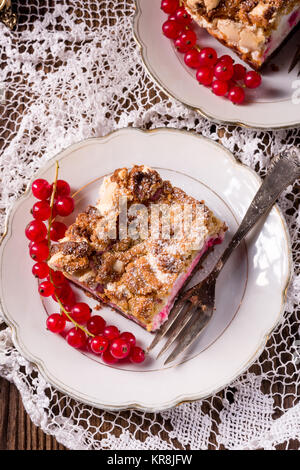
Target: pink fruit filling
x=162, y=316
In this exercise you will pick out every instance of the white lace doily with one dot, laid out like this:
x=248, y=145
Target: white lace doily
x=71, y=70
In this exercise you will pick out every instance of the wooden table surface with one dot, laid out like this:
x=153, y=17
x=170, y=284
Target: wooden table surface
x=17, y=432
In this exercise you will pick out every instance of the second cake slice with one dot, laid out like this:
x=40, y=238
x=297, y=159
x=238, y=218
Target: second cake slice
x=252, y=28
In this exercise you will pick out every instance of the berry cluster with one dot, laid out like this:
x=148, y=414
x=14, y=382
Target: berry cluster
x=96, y=337
x=111, y=344
x=53, y=200
x=36, y=231
x=220, y=73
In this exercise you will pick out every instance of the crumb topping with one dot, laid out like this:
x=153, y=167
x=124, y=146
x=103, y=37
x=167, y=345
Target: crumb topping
x=135, y=274
x=246, y=26
x=254, y=12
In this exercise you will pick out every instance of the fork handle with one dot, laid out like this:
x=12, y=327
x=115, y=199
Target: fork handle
x=285, y=170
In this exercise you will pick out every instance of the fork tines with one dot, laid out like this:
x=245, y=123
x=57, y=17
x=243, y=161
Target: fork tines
x=185, y=323
x=296, y=60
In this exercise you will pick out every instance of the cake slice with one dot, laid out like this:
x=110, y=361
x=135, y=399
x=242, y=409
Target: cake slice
x=132, y=250
x=252, y=28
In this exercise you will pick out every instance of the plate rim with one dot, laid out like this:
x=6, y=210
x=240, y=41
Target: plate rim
x=136, y=19
x=41, y=366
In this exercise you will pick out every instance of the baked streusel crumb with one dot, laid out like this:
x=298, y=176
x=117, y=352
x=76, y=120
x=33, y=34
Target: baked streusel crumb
x=252, y=28
x=137, y=268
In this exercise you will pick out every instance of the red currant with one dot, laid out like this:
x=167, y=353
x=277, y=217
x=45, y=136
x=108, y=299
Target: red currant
x=180, y=47
x=81, y=312
x=57, y=231
x=119, y=348
x=252, y=79
x=68, y=304
x=239, y=72
x=40, y=270
x=219, y=87
x=58, y=278
x=129, y=337
x=108, y=358
x=236, y=95
x=39, y=251
x=191, y=59
x=223, y=71
x=208, y=57
x=172, y=29
x=226, y=59
x=169, y=6
x=186, y=41
x=62, y=188
x=62, y=292
x=183, y=17
x=46, y=288
x=111, y=332
x=96, y=324
x=41, y=210
x=231, y=83
x=137, y=355
x=88, y=343
x=64, y=205
x=205, y=75
x=69, y=301
x=99, y=344
x=56, y=323
x=36, y=231
x=76, y=338
x=41, y=189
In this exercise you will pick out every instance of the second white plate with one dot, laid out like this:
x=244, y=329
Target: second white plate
x=274, y=105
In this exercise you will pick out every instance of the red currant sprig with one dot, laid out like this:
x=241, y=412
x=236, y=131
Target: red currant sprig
x=111, y=344
x=225, y=78
x=99, y=338
x=36, y=231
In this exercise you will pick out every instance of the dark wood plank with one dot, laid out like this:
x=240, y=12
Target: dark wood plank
x=4, y=399
x=17, y=432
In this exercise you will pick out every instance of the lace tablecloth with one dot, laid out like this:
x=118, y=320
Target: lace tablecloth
x=71, y=70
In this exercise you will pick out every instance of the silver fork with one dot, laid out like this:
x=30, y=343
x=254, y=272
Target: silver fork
x=194, y=308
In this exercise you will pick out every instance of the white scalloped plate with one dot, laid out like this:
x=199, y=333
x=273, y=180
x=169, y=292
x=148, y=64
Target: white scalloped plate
x=250, y=291
x=274, y=105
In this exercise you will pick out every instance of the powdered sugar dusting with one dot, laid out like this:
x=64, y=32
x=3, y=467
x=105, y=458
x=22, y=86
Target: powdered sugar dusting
x=138, y=270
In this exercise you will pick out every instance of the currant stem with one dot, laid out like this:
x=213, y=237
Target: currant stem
x=49, y=245
x=71, y=319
